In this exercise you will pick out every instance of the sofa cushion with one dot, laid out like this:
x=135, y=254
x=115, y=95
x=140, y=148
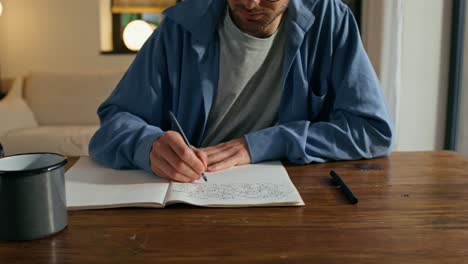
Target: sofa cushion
x=68, y=99
x=69, y=141
x=14, y=112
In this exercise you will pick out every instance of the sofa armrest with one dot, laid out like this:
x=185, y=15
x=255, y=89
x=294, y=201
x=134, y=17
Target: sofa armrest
x=14, y=112
x=5, y=86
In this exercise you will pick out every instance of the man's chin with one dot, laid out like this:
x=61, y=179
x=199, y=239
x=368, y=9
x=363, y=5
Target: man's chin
x=251, y=28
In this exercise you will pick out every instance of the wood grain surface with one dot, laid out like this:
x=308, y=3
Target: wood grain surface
x=413, y=208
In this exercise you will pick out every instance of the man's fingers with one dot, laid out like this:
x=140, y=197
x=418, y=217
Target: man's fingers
x=176, y=142
x=162, y=150
x=179, y=165
x=214, y=149
x=221, y=155
x=227, y=154
x=179, y=162
x=202, y=157
x=224, y=164
x=163, y=169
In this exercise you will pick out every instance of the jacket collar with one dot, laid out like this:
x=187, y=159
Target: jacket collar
x=201, y=17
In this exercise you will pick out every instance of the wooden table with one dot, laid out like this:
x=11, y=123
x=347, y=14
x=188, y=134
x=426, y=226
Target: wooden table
x=413, y=208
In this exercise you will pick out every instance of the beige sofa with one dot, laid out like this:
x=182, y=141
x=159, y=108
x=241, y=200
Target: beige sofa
x=47, y=112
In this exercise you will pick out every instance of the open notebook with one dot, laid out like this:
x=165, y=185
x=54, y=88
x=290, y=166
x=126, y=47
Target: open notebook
x=92, y=186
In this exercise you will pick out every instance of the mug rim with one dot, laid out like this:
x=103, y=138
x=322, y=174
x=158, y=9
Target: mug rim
x=37, y=170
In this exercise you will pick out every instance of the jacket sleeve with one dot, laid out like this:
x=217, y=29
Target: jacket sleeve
x=359, y=124
x=131, y=118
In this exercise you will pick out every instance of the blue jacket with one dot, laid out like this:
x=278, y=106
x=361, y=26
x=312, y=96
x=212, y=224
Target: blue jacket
x=332, y=107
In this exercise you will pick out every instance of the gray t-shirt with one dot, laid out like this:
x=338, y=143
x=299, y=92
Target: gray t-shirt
x=250, y=84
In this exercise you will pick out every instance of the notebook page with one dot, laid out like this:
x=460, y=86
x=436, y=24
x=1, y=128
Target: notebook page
x=264, y=184
x=90, y=185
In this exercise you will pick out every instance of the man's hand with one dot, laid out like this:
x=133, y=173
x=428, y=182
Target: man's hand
x=228, y=154
x=172, y=159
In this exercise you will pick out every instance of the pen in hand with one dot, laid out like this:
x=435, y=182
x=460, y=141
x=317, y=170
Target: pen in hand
x=336, y=180
x=181, y=132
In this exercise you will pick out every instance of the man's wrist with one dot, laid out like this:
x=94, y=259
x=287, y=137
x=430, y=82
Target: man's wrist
x=263, y=146
x=144, y=148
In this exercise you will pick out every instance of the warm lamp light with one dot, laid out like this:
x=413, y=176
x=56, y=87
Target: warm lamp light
x=1, y=8
x=136, y=33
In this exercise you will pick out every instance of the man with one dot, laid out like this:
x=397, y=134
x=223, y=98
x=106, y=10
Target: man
x=249, y=81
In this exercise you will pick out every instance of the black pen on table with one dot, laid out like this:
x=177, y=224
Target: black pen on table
x=181, y=132
x=347, y=192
